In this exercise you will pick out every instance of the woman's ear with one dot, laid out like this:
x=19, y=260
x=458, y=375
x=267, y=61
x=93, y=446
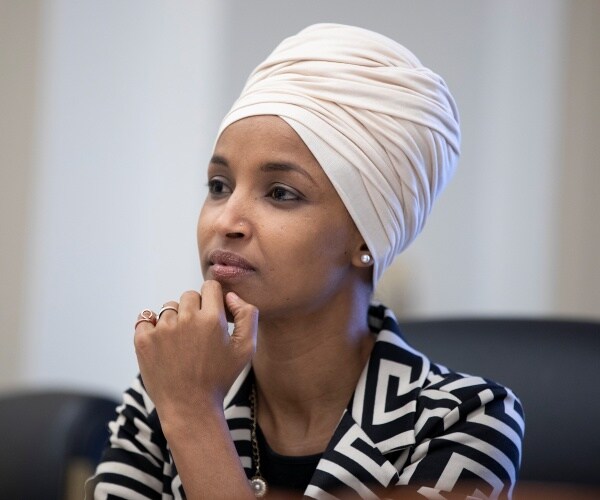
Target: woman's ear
x=362, y=257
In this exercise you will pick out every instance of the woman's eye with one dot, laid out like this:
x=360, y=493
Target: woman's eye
x=217, y=187
x=279, y=193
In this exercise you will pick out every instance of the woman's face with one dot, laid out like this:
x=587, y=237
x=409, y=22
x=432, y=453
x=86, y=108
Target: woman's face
x=272, y=228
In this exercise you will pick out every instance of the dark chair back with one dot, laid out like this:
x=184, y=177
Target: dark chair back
x=48, y=438
x=553, y=366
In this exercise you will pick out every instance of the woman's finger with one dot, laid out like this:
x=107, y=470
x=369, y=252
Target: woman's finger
x=245, y=321
x=212, y=298
x=145, y=323
x=189, y=303
x=146, y=316
x=168, y=311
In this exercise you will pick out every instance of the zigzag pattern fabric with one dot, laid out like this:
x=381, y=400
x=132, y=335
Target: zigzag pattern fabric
x=412, y=427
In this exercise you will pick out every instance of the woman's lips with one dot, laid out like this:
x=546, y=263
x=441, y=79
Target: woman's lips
x=224, y=265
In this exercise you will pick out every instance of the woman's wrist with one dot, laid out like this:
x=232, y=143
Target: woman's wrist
x=204, y=452
x=181, y=420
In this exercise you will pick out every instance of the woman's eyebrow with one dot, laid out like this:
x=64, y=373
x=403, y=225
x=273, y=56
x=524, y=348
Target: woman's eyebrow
x=286, y=167
x=219, y=160
x=268, y=167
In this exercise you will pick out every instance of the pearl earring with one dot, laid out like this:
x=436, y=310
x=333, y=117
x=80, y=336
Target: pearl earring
x=365, y=258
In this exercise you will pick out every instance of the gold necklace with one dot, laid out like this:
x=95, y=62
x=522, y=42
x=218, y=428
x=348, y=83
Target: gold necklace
x=257, y=483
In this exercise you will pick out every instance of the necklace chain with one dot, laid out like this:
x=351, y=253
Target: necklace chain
x=257, y=483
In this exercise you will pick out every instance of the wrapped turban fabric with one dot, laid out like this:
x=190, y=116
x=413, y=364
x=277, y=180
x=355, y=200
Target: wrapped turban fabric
x=383, y=127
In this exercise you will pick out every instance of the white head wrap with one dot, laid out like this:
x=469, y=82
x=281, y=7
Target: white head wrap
x=382, y=126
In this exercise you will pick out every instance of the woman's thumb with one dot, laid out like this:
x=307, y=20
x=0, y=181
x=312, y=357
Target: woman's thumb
x=245, y=321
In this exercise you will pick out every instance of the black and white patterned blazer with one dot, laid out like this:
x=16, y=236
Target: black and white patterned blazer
x=411, y=427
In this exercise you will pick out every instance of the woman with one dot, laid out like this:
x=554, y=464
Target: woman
x=325, y=168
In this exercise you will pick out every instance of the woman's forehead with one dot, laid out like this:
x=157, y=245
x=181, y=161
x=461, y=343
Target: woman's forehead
x=265, y=139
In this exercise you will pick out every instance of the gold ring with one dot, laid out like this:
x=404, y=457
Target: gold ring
x=146, y=315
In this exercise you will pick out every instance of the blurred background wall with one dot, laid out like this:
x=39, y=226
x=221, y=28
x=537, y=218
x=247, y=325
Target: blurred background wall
x=108, y=111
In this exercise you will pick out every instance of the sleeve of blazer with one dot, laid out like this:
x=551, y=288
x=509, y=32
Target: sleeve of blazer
x=136, y=464
x=469, y=434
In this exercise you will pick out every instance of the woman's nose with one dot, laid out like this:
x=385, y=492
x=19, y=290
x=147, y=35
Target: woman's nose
x=233, y=220
x=237, y=232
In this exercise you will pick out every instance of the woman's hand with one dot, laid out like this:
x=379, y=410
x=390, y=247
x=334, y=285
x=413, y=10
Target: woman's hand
x=188, y=360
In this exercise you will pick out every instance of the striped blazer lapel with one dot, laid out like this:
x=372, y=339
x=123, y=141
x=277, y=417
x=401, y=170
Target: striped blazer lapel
x=380, y=420
x=351, y=461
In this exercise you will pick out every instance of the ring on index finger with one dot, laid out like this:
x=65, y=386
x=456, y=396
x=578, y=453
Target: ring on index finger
x=146, y=315
x=167, y=308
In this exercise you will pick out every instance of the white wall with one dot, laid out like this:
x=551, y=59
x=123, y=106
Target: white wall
x=124, y=127
x=490, y=245
x=19, y=32
x=578, y=269
x=126, y=102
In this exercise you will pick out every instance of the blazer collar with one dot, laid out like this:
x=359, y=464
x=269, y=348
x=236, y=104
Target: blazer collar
x=379, y=420
x=385, y=399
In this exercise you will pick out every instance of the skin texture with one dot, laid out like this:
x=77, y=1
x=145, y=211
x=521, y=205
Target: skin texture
x=281, y=259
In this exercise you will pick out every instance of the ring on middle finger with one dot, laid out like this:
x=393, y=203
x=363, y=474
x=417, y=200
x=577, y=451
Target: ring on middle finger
x=166, y=308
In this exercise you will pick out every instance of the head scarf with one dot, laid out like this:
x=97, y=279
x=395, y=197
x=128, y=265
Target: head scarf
x=383, y=127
